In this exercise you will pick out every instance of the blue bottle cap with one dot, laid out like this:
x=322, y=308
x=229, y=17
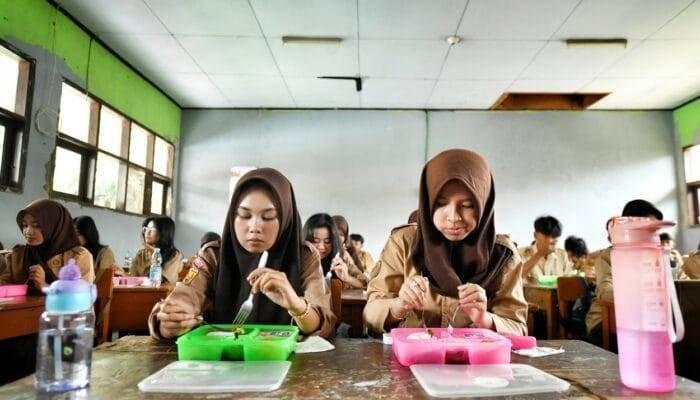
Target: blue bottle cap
x=69, y=293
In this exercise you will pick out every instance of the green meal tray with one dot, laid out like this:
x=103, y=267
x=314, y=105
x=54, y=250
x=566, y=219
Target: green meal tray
x=258, y=343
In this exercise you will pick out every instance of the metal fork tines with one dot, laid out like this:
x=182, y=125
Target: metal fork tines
x=247, y=306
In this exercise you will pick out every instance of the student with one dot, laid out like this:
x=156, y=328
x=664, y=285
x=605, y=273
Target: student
x=89, y=237
x=158, y=232
x=669, y=244
x=366, y=259
x=262, y=216
x=603, y=271
x=321, y=232
x=47, y=227
x=348, y=254
x=207, y=258
x=451, y=264
x=543, y=257
x=690, y=269
x=577, y=253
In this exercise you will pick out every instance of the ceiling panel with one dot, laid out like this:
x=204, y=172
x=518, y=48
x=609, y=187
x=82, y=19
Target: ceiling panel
x=323, y=93
x=489, y=59
x=631, y=19
x=312, y=60
x=547, y=85
x=409, y=19
x=420, y=59
x=396, y=93
x=189, y=90
x=253, y=91
x=206, y=17
x=307, y=17
x=229, y=54
x=559, y=61
x=685, y=26
x=133, y=16
x=514, y=19
x=658, y=59
x=151, y=52
x=622, y=91
x=467, y=94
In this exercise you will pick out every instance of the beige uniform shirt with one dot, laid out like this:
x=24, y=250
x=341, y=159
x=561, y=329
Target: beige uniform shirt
x=555, y=263
x=690, y=269
x=366, y=260
x=508, y=308
x=353, y=270
x=13, y=273
x=103, y=261
x=141, y=265
x=194, y=289
x=603, y=289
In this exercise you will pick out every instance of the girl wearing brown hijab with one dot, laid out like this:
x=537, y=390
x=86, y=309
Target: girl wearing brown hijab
x=47, y=227
x=349, y=253
x=450, y=266
x=262, y=216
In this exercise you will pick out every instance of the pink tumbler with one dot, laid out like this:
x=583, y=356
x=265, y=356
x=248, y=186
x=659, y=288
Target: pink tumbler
x=646, y=304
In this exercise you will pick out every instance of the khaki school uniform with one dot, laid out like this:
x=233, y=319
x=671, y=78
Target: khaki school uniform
x=193, y=289
x=141, y=265
x=103, y=261
x=603, y=290
x=366, y=260
x=13, y=273
x=555, y=263
x=690, y=269
x=353, y=270
x=508, y=308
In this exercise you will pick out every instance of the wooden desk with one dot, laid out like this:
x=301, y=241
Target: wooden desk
x=20, y=315
x=131, y=307
x=545, y=298
x=608, y=325
x=353, y=303
x=357, y=369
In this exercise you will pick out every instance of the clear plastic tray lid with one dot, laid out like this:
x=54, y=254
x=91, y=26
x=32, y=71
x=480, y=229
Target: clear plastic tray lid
x=440, y=380
x=217, y=377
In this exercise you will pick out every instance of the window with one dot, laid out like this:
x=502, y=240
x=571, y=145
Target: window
x=691, y=160
x=104, y=159
x=15, y=71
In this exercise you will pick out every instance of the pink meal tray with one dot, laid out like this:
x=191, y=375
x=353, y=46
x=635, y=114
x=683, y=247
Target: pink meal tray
x=128, y=280
x=464, y=346
x=13, y=290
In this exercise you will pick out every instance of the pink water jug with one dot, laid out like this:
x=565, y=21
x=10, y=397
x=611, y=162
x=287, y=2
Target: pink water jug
x=646, y=304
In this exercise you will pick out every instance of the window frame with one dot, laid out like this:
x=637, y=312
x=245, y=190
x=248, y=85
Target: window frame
x=17, y=127
x=90, y=151
x=692, y=196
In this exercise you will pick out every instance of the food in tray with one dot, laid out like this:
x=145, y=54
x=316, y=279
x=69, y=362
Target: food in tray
x=425, y=335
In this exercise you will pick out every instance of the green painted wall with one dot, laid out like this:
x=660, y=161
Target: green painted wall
x=687, y=119
x=31, y=21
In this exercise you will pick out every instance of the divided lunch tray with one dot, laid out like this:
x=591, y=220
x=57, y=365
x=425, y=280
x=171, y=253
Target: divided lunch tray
x=465, y=345
x=257, y=343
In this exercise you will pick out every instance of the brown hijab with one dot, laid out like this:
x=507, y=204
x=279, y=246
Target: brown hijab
x=59, y=235
x=344, y=228
x=477, y=258
x=229, y=286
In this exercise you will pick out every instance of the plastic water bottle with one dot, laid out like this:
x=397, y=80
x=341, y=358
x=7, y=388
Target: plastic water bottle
x=156, y=272
x=64, y=348
x=127, y=262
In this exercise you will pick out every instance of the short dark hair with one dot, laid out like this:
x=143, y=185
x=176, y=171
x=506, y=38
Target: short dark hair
x=576, y=246
x=641, y=208
x=357, y=237
x=665, y=237
x=548, y=225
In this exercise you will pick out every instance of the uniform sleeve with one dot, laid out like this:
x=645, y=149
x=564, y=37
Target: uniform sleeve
x=172, y=268
x=139, y=265
x=106, y=259
x=83, y=259
x=508, y=308
x=385, y=286
x=691, y=268
x=535, y=273
x=316, y=293
x=354, y=270
x=603, y=279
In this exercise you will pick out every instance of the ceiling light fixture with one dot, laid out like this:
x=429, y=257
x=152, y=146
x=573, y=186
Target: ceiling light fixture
x=453, y=40
x=311, y=40
x=622, y=42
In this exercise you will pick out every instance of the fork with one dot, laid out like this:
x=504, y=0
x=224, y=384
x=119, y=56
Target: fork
x=451, y=329
x=247, y=306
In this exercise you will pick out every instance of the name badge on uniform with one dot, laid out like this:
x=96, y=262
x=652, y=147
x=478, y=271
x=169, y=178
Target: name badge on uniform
x=194, y=270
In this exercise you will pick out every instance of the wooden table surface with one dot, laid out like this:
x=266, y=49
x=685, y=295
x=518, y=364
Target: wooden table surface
x=20, y=315
x=353, y=304
x=545, y=297
x=357, y=369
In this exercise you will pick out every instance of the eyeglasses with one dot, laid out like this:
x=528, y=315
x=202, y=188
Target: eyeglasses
x=147, y=229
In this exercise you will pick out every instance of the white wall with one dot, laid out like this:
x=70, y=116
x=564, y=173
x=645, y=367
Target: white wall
x=578, y=166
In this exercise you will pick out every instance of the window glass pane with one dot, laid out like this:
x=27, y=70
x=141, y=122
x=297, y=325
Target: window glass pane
x=138, y=146
x=2, y=142
x=17, y=158
x=136, y=186
x=9, y=71
x=162, y=158
x=157, y=198
x=107, y=176
x=168, y=201
x=66, y=173
x=110, y=136
x=74, y=116
x=691, y=158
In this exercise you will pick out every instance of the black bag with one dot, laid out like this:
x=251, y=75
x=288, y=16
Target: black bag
x=576, y=323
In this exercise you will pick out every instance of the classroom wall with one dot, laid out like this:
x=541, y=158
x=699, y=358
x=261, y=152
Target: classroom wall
x=579, y=166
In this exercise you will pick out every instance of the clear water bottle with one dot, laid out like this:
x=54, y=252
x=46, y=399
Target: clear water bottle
x=156, y=272
x=127, y=262
x=64, y=348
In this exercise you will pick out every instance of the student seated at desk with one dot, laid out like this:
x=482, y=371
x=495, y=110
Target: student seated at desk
x=349, y=252
x=321, y=232
x=158, y=232
x=669, y=244
x=577, y=253
x=451, y=264
x=89, y=237
x=603, y=270
x=207, y=256
x=543, y=257
x=262, y=217
x=363, y=255
x=47, y=227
